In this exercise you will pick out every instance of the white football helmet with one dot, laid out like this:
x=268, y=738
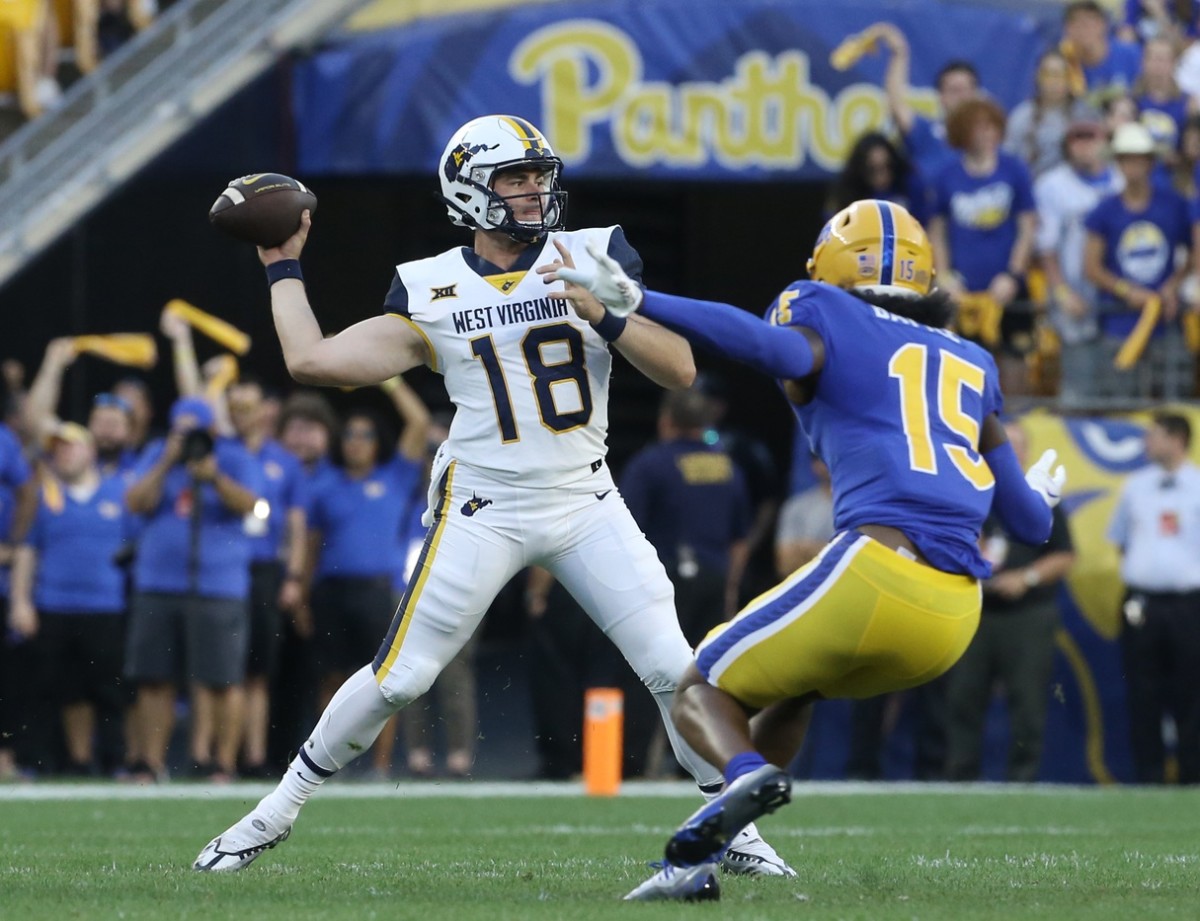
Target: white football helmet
x=476, y=152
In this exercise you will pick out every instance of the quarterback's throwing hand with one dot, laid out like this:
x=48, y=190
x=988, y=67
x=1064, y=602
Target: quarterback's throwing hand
x=607, y=281
x=1047, y=484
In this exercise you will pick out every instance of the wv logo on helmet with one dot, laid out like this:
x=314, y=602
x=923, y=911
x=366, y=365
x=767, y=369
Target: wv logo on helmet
x=461, y=154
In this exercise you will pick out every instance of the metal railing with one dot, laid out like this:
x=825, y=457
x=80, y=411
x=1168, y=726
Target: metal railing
x=146, y=95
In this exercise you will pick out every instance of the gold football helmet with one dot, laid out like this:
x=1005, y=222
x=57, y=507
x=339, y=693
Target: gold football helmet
x=877, y=246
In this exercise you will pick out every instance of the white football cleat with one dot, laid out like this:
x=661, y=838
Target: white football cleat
x=749, y=855
x=241, y=844
x=685, y=884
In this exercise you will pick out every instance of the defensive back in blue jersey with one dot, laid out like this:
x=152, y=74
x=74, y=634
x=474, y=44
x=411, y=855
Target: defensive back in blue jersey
x=897, y=414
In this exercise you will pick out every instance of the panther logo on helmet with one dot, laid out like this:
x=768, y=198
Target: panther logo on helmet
x=478, y=151
x=874, y=245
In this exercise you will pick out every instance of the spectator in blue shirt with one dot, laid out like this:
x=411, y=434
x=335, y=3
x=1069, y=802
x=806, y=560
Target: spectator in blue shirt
x=924, y=138
x=1131, y=256
x=984, y=212
x=1102, y=62
x=276, y=528
x=277, y=549
x=354, y=521
x=67, y=582
x=983, y=226
x=18, y=503
x=188, y=617
x=1164, y=108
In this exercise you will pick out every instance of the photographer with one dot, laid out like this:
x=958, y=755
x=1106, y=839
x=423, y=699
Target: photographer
x=188, y=617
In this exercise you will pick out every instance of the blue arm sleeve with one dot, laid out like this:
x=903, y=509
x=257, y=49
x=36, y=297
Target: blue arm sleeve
x=776, y=351
x=1023, y=512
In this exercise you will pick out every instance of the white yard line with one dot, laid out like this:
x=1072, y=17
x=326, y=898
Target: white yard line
x=49, y=790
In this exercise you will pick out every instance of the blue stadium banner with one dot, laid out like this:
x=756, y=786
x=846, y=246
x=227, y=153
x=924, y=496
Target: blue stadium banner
x=685, y=89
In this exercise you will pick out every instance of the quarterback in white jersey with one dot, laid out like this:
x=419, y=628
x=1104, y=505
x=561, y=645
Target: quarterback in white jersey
x=521, y=480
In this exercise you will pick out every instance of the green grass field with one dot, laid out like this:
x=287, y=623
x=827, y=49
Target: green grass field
x=486, y=852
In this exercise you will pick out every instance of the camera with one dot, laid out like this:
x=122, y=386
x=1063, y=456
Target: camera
x=197, y=445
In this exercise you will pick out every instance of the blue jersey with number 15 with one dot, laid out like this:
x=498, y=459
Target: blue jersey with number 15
x=896, y=415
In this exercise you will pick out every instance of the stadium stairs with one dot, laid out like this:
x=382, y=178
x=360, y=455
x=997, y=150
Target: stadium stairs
x=195, y=56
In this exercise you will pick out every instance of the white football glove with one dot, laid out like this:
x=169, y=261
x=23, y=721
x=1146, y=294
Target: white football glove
x=608, y=281
x=1045, y=483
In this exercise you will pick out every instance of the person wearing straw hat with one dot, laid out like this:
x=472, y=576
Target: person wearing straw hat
x=1132, y=256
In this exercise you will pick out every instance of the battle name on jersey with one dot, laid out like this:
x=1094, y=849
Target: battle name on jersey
x=881, y=314
x=480, y=318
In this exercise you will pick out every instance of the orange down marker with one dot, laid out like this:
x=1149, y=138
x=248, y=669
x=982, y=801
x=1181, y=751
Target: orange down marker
x=603, y=729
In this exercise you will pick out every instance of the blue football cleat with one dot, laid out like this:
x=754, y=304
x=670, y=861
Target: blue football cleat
x=711, y=827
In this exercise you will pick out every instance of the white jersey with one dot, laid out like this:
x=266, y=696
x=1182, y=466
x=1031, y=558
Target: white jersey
x=529, y=378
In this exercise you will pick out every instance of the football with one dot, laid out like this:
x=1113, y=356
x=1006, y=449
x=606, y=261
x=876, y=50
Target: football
x=262, y=208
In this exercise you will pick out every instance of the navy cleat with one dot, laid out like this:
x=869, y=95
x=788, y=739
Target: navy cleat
x=684, y=884
x=713, y=826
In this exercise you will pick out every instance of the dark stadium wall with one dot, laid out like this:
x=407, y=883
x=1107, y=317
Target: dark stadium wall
x=152, y=242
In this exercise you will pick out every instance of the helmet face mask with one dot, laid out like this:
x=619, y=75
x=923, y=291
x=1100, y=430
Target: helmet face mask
x=485, y=147
x=549, y=198
x=874, y=245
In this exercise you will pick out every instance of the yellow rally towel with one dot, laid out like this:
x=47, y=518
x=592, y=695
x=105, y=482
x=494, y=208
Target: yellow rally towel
x=1046, y=340
x=215, y=328
x=1135, y=343
x=226, y=374
x=52, y=493
x=979, y=317
x=135, y=349
x=1037, y=286
x=1191, y=330
x=852, y=50
x=1076, y=78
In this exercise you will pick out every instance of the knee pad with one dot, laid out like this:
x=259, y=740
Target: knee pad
x=662, y=662
x=408, y=680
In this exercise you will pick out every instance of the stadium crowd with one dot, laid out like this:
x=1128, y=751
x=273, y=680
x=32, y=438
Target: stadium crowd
x=254, y=550
x=1063, y=229
x=46, y=45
